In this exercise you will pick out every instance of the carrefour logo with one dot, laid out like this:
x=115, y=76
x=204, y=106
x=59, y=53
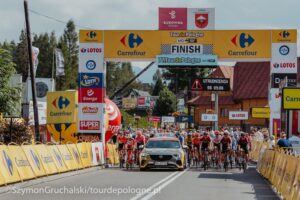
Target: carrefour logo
x=7, y=161
x=91, y=34
x=284, y=34
x=242, y=40
x=61, y=102
x=132, y=40
x=35, y=158
x=90, y=65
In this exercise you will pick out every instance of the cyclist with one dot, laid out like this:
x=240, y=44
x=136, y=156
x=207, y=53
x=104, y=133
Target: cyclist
x=226, y=144
x=217, y=146
x=205, y=144
x=140, y=140
x=129, y=146
x=244, y=143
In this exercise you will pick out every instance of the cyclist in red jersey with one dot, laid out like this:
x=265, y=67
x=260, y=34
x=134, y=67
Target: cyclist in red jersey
x=245, y=144
x=225, y=142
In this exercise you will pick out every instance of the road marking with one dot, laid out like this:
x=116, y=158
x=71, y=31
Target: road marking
x=153, y=186
x=160, y=187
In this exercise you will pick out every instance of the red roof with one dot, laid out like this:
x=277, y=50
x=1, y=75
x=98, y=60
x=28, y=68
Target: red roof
x=251, y=80
x=206, y=100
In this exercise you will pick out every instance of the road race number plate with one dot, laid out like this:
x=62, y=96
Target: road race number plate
x=161, y=163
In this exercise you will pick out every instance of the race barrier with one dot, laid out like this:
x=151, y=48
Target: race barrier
x=112, y=154
x=280, y=168
x=25, y=162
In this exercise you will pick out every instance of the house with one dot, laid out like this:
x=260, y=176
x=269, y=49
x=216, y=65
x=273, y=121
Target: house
x=249, y=88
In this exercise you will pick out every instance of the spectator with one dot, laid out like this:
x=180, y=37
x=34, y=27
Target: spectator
x=283, y=142
x=295, y=141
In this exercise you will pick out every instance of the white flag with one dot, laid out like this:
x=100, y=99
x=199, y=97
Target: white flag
x=35, y=60
x=60, y=63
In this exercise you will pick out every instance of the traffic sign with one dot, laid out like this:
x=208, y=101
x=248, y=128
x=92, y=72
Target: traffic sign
x=211, y=84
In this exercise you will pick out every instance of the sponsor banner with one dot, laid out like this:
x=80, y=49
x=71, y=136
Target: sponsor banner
x=74, y=152
x=284, y=52
x=209, y=117
x=90, y=110
x=291, y=80
x=34, y=160
x=46, y=158
x=291, y=98
x=89, y=126
x=180, y=105
x=284, y=36
x=172, y=18
x=210, y=84
x=90, y=36
x=91, y=95
x=284, y=66
x=42, y=110
x=91, y=80
x=67, y=157
x=186, y=60
x=89, y=137
x=260, y=113
x=243, y=44
x=193, y=49
x=91, y=58
x=61, y=107
x=97, y=153
x=146, y=102
x=59, y=62
x=136, y=45
x=238, y=115
x=154, y=119
x=184, y=119
x=274, y=100
x=188, y=37
x=129, y=103
x=201, y=19
x=167, y=119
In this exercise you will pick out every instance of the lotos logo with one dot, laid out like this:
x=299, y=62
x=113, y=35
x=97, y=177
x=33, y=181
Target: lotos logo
x=89, y=110
x=61, y=102
x=131, y=40
x=90, y=65
x=89, y=125
x=88, y=81
x=284, y=65
x=242, y=40
x=284, y=34
x=7, y=161
x=91, y=34
x=90, y=50
x=35, y=158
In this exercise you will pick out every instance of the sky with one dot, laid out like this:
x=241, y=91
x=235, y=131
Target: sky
x=143, y=14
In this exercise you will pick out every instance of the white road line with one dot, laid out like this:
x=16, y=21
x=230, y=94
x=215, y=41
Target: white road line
x=160, y=187
x=153, y=186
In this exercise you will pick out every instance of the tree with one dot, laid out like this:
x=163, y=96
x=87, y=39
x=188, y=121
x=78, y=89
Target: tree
x=68, y=44
x=158, y=84
x=166, y=103
x=9, y=96
x=21, y=57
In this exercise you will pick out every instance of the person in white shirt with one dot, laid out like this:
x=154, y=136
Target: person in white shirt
x=295, y=141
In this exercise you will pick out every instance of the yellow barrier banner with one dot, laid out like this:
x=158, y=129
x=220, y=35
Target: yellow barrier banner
x=84, y=155
x=67, y=157
x=280, y=171
x=2, y=180
x=90, y=152
x=288, y=178
x=22, y=163
x=34, y=160
x=113, y=154
x=46, y=158
x=296, y=186
x=73, y=150
x=57, y=157
x=270, y=164
x=8, y=166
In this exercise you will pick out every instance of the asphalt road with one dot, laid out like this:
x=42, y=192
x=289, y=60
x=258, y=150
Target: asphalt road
x=113, y=183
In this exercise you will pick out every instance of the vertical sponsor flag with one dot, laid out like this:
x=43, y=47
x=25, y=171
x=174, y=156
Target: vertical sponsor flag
x=60, y=63
x=35, y=53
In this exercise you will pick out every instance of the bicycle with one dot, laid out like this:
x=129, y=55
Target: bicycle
x=206, y=159
x=129, y=159
x=226, y=160
x=242, y=160
x=121, y=158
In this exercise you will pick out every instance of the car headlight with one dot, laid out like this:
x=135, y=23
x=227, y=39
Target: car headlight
x=177, y=156
x=144, y=154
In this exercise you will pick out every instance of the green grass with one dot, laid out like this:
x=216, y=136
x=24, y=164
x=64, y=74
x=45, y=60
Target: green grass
x=128, y=118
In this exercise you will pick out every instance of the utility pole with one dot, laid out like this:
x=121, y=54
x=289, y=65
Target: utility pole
x=217, y=110
x=32, y=75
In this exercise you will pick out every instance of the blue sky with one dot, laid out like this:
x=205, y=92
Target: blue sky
x=143, y=14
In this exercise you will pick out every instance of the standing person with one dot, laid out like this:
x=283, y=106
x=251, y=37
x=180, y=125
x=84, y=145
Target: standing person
x=295, y=141
x=283, y=142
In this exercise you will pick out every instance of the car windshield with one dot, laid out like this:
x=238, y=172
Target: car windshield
x=164, y=144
